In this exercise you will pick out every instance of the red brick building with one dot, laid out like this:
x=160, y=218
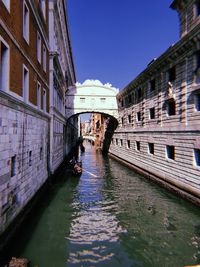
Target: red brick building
x=24, y=51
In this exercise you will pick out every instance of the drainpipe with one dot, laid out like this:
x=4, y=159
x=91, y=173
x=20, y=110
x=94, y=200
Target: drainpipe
x=186, y=92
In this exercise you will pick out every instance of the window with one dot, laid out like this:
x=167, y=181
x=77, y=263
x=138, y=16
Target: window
x=137, y=143
x=139, y=116
x=122, y=103
x=197, y=102
x=152, y=85
x=82, y=99
x=139, y=93
x=43, y=7
x=170, y=152
x=172, y=74
x=122, y=121
x=152, y=113
x=103, y=100
x=38, y=47
x=13, y=166
x=41, y=153
x=44, y=58
x=151, y=148
x=129, y=118
x=129, y=99
x=26, y=22
x=116, y=141
x=7, y=4
x=197, y=8
x=197, y=60
x=38, y=95
x=128, y=144
x=121, y=142
x=4, y=66
x=44, y=100
x=30, y=158
x=25, y=85
x=171, y=108
x=197, y=157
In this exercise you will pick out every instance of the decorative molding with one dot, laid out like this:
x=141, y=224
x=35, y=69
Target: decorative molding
x=95, y=83
x=6, y=99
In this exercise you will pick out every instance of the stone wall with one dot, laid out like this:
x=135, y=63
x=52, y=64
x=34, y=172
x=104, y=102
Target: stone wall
x=159, y=120
x=179, y=171
x=24, y=142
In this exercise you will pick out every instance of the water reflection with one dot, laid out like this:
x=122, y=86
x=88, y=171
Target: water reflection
x=160, y=226
x=95, y=229
x=111, y=216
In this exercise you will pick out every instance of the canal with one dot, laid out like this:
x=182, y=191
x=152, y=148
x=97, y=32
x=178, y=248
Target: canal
x=110, y=216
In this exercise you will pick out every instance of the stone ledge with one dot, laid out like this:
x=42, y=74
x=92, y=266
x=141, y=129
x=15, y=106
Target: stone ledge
x=8, y=100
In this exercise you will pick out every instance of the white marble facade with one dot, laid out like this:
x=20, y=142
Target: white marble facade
x=92, y=96
x=61, y=76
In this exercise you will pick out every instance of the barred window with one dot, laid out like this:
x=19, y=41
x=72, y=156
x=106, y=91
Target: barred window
x=197, y=157
x=151, y=148
x=170, y=152
x=171, y=107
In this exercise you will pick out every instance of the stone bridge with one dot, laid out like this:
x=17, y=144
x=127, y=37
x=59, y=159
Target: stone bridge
x=94, y=97
x=91, y=96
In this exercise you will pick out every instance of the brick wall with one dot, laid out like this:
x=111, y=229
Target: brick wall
x=21, y=52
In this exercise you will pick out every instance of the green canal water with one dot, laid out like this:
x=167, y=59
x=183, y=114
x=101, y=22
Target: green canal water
x=110, y=216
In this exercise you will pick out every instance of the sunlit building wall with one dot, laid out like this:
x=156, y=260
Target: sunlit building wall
x=62, y=75
x=24, y=104
x=159, y=124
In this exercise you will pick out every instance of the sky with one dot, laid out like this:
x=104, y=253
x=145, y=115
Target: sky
x=114, y=40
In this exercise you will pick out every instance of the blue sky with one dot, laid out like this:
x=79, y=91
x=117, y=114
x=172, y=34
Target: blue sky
x=114, y=40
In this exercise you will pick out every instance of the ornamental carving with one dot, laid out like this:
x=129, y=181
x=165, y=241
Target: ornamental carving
x=170, y=91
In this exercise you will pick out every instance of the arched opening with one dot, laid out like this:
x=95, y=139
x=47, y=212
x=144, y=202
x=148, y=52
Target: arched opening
x=96, y=127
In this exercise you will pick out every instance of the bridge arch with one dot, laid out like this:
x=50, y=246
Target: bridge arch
x=92, y=96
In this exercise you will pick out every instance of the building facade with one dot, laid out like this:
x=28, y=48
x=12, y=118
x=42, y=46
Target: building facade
x=159, y=124
x=62, y=75
x=98, y=128
x=34, y=74
x=24, y=108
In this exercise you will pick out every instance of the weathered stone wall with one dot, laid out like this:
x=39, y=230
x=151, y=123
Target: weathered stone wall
x=24, y=142
x=57, y=144
x=181, y=169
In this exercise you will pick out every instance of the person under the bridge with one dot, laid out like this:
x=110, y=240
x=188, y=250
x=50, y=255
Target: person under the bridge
x=73, y=161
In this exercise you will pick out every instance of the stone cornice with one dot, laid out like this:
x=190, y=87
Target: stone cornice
x=190, y=129
x=95, y=83
x=8, y=100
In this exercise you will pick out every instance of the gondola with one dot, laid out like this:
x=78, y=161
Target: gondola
x=77, y=169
